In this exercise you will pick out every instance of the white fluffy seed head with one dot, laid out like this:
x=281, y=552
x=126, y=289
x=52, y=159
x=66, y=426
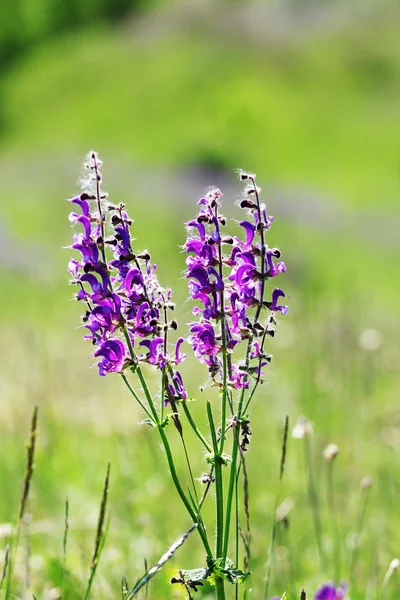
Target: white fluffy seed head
x=302, y=429
x=331, y=451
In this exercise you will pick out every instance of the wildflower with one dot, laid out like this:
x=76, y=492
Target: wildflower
x=113, y=356
x=229, y=289
x=330, y=592
x=126, y=307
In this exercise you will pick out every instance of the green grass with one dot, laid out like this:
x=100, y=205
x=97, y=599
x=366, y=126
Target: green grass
x=315, y=117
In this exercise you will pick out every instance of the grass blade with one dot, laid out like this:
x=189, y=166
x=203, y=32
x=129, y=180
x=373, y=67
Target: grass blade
x=273, y=530
x=100, y=535
x=30, y=456
x=144, y=580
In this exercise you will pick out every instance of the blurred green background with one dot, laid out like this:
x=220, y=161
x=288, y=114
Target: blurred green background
x=174, y=96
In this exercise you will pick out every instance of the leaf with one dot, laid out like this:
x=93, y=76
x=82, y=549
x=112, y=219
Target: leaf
x=228, y=572
x=194, y=576
x=165, y=422
x=232, y=575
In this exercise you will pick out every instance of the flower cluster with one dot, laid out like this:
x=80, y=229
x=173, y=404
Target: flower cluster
x=126, y=308
x=331, y=592
x=229, y=286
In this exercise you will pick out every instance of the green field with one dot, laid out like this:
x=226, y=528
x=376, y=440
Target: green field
x=170, y=100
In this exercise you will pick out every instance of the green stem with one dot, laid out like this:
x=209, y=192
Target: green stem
x=231, y=489
x=171, y=464
x=138, y=400
x=224, y=399
x=232, y=477
x=219, y=492
x=181, y=493
x=220, y=588
x=162, y=393
x=149, y=398
x=195, y=428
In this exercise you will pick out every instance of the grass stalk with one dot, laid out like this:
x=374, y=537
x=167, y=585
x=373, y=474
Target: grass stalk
x=30, y=456
x=313, y=499
x=100, y=535
x=277, y=501
x=362, y=509
x=65, y=541
x=334, y=523
x=246, y=536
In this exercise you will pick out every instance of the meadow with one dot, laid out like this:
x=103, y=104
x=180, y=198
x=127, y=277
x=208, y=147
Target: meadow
x=174, y=101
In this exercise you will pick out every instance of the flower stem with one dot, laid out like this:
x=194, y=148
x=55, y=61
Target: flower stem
x=138, y=400
x=171, y=464
x=220, y=588
x=181, y=493
x=219, y=493
x=231, y=489
x=194, y=427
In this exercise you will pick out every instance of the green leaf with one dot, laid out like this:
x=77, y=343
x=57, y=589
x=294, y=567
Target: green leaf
x=232, y=575
x=165, y=422
x=228, y=571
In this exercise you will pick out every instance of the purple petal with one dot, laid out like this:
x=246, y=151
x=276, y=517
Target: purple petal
x=134, y=277
x=178, y=356
x=83, y=204
x=113, y=353
x=250, y=230
x=326, y=592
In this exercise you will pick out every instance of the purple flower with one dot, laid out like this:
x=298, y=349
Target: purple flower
x=273, y=270
x=113, y=356
x=154, y=356
x=238, y=378
x=203, y=340
x=123, y=298
x=250, y=230
x=273, y=305
x=176, y=388
x=330, y=592
x=231, y=288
